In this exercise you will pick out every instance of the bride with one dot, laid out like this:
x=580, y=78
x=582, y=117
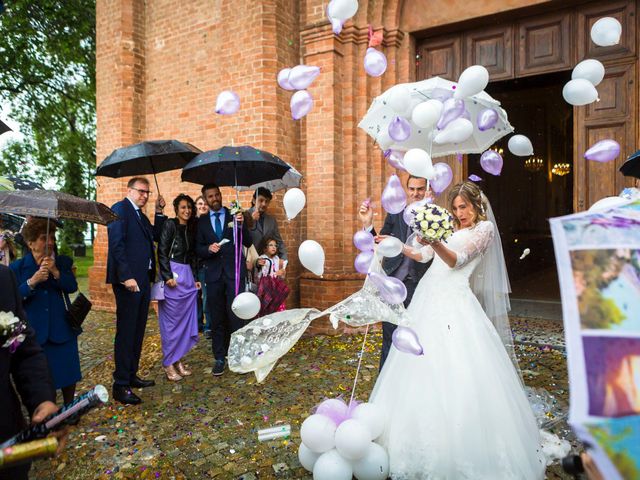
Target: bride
x=460, y=411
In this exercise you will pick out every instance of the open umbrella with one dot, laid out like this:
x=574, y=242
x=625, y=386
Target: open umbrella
x=20, y=183
x=631, y=167
x=144, y=158
x=242, y=167
x=381, y=114
x=4, y=127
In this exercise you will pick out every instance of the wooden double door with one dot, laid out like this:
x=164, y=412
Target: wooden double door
x=535, y=42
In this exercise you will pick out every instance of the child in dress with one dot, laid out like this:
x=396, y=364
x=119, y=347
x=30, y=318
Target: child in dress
x=269, y=263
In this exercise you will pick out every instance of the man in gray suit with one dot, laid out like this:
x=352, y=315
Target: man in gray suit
x=403, y=268
x=264, y=225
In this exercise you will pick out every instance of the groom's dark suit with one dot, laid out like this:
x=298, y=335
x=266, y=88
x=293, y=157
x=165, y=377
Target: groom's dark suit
x=220, y=276
x=400, y=267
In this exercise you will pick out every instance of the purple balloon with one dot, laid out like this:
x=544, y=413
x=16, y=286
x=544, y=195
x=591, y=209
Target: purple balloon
x=459, y=157
x=394, y=157
x=487, y=119
x=394, y=199
x=409, y=212
x=406, y=340
x=603, y=151
x=391, y=289
x=399, y=129
x=334, y=408
x=442, y=178
x=228, y=103
x=491, y=162
x=363, y=241
x=375, y=62
x=301, y=104
x=441, y=94
x=363, y=262
x=475, y=178
x=453, y=108
x=301, y=76
x=283, y=79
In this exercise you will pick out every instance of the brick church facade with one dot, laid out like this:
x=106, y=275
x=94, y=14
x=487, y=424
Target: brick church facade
x=162, y=63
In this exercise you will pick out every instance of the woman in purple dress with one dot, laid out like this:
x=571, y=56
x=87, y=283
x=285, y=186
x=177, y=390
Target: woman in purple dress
x=178, y=312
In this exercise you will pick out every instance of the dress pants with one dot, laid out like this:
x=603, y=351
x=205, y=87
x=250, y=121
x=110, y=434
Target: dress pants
x=224, y=322
x=132, y=311
x=389, y=328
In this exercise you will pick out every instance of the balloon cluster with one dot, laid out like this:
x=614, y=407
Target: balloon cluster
x=338, y=442
x=364, y=242
x=299, y=78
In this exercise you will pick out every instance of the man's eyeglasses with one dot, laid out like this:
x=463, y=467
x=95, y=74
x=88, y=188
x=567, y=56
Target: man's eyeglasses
x=142, y=192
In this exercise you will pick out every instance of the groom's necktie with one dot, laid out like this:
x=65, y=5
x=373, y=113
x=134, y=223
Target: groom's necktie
x=218, y=224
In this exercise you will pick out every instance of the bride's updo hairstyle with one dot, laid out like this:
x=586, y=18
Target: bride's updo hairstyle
x=472, y=195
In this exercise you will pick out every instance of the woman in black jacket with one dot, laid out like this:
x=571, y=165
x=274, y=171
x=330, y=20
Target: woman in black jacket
x=178, y=312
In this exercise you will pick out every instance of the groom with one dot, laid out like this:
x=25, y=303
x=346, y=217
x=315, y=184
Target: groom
x=401, y=267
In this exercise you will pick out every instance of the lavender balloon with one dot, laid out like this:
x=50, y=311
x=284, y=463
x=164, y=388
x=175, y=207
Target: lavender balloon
x=301, y=76
x=491, y=162
x=399, y=129
x=394, y=199
x=442, y=178
x=375, y=62
x=283, y=79
x=363, y=241
x=228, y=102
x=335, y=409
x=406, y=340
x=475, y=178
x=453, y=108
x=394, y=157
x=301, y=104
x=603, y=151
x=486, y=119
x=363, y=262
x=391, y=289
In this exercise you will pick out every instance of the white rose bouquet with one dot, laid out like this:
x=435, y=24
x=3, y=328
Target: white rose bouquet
x=11, y=329
x=433, y=223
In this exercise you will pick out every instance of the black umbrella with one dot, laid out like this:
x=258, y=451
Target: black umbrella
x=24, y=184
x=151, y=157
x=10, y=222
x=235, y=167
x=631, y=168
x=4, y=127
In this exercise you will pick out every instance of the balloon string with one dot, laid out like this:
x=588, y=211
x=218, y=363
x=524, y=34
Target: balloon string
x=355, y=380
x=235, y=253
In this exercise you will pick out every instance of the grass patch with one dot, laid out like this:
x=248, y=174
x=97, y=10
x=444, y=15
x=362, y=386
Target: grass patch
x=82, y=264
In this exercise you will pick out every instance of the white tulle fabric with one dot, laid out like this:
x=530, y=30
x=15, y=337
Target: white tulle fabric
x=459, y=411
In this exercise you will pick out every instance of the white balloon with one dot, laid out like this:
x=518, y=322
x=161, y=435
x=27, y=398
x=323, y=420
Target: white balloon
x=342, y=9
x=520, y=145
x=331, y=466
x=606, y=32
x=307, y=457
x=374, y=465
x=589, y=69
x=399, y=98
x=311, y=256
x=426, y=114
x=371, y=414
x=408, y=214
x=457, y=131
x=246, y=305
x=294, y=201
x=352, y=439
x=418, y=163
x=390, y=247
x=318, y=433
x=579, y=92
x=227, y=102
x=608, y=203
x=473, y=80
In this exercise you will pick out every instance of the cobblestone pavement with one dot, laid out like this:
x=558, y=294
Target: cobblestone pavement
x=205, y=426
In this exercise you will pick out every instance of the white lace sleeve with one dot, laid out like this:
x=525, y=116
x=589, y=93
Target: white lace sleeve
x=427, y=254
x=479, y=239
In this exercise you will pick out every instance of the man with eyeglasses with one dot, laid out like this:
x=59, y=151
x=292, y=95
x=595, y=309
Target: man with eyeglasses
x=131, y=268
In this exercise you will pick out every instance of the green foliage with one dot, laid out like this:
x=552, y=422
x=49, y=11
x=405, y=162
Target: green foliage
x=47, y=76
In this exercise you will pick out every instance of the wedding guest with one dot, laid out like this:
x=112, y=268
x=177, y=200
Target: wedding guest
x=45, y=285
x=204, y=316
x=24, y=373
x=131, y=267
x=7, y=248
x=215, y=247
x=178, y=312
x=403, y=268
x=263, y=224
x=273, y=265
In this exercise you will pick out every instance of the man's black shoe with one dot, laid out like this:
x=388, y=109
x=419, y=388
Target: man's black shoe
x=138, y=382
x=218, y=368
x=124, y=395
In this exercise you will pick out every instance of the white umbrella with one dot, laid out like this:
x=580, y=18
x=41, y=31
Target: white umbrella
x=377, y=119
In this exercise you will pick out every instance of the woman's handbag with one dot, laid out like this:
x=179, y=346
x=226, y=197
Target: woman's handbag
x=77, y=310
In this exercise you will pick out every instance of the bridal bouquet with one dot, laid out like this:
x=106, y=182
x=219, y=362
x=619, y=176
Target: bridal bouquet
x=433, y=223
x=234, y=209
x=11, y=331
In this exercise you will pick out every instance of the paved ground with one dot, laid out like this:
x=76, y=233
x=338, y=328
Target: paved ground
x=205, y=426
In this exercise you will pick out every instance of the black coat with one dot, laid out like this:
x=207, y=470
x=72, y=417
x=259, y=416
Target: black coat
x=27, y=366
x=177, y=243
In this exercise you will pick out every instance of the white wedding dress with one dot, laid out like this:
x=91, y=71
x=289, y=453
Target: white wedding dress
x=460, y=410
